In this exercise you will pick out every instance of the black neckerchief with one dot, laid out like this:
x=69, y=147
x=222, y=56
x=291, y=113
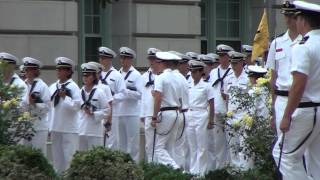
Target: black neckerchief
x=87, y=102
x=12, y=80
x=104, y=80
x=33, y=86
x=150, y=82
x=187, y=76
x=55, y=95
x=127, y=75
x=220, y=79
x=207, y=79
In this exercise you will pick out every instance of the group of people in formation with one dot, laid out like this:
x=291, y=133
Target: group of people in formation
x=182, y=100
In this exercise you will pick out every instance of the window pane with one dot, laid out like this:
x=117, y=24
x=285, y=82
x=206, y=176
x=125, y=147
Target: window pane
x=221, y=10
x=96, y=25
x=233, y=29
x=233, y=11
x=204, y=47
x=88, y=24
x=221, y=28
x=88, y=7
x=92, y=44
x=96, y=6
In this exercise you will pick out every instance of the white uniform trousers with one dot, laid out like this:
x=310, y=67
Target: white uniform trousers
x=295, y=145
x=112, y=140
x=211, y=149
x=166, y=138
x=149, y=136
x=129, y=135
x=88, y=142
x=39, y=141
x=279, y=107
x=197, y=134
x=64, y=145
x=220, y=143
x=181, y=144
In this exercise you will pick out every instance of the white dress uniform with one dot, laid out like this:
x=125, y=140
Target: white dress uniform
x=129, y=113
x=90, y=128
x=303, y=135
x=198, y=118
x=168, y=85
x=237, y=159
x=115, y=81
x=15, y=79
x=279, y=60
x=219, y=155
x=39, y=111
x=147, y=105
x=64, y=117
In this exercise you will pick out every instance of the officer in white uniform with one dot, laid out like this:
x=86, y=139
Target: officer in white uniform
x=183, y=66
x=218, y=75
x=22, y=73
x=9, y=77
x=247, y=50
x=115, y=81
x=147, y=100
x=37, y=102
x=64, y=115
x=201, y=98
x=212, y=61
x=94, y=108
x=238, y=79
x=167, y=100
x=129, y=113
x=279, y=60
x=300, y=122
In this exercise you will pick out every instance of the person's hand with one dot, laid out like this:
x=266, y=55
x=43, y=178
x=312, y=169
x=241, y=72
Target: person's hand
x=87, y=111
x=273, y=123
x=285, y=124
x=210, y=125
x=31, y=100
x=154, y=122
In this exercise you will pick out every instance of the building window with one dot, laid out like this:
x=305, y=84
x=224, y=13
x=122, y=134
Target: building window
x=204, y=40
x=92, y=33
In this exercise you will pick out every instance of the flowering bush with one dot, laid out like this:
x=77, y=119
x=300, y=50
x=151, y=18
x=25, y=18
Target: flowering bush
x=254, y=125
x=14, y=124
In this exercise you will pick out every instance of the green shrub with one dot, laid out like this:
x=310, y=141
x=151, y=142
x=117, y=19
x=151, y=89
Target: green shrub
x=100, y=163
x=162, y=172
x=22, y=162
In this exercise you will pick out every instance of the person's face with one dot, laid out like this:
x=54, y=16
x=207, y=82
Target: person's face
x=63, y=73
x=237, y=66
x=300, y=24
x=252, y=79
x=88, y=78
x=183, y=67
x=196, y=74
x=125, y=61
x=248, y=60
x=105, y=61
x=224, y=59
x=152, y=62
x=290, y=21
x=31, y=72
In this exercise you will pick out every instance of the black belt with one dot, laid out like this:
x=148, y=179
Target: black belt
x=308, y=104
x=281, y=93
x=184, y=110
x=169, y=108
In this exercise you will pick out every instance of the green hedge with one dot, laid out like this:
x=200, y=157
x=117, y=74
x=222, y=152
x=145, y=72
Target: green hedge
x=22, y=162
x=100, y=163
x=162, y=172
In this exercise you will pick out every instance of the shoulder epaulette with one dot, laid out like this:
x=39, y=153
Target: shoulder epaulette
x=304, y=40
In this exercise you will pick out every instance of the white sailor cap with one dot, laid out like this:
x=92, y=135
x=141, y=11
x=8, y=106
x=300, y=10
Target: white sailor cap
x=206, y=59
x=194, y=64
x=306, y=7
x=89, y=68
x=184, y=58
x=152, y=52
x=235, y=56
x=214, y=56
x=31, y=62
x=167, y=56
x=9, y=58
x=64, y=62
x=254, y=70
x=100, y=66
x=223, y=49
x=247, y=49
x=125, y=51
x=106, y=52
x=193, y=55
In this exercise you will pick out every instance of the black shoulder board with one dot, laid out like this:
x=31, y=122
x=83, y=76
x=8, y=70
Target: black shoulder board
x=304, y=39
x=280, y=34
x=112, y=80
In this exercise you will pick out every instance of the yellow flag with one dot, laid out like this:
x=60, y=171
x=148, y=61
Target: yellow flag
x=261, y=39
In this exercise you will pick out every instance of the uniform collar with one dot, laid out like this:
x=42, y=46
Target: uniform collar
x=167, y=70
x=69, y=80
x=130, y=69
x=313, y=32
x=286, y=37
